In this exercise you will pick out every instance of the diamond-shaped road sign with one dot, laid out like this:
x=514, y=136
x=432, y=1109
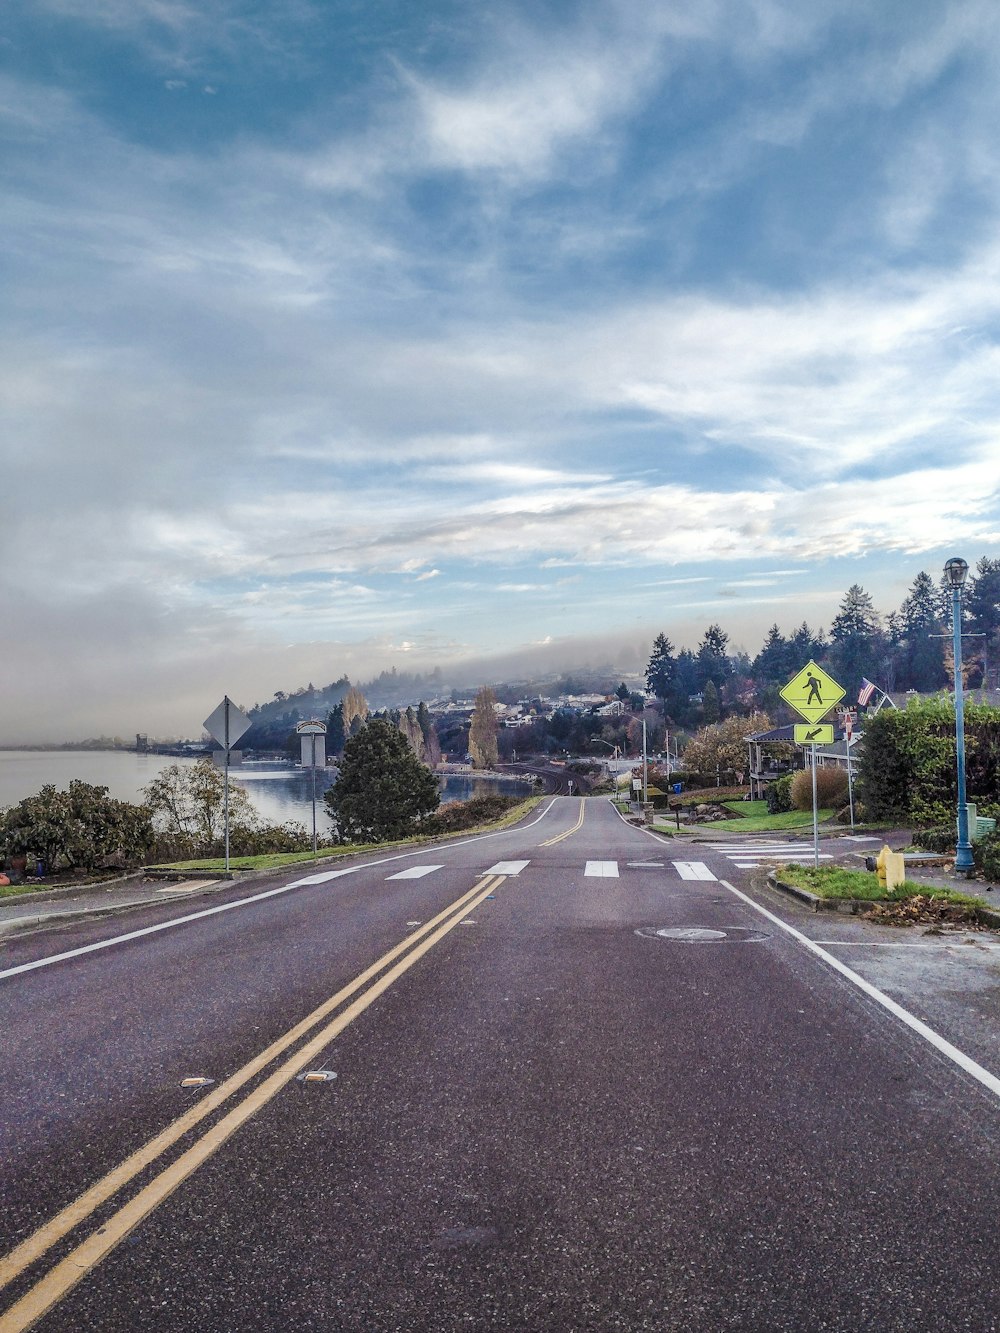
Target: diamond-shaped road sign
x=812, y=693
x=227, y=724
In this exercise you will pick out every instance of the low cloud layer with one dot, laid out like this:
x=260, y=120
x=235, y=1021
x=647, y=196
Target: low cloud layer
x=440, y=341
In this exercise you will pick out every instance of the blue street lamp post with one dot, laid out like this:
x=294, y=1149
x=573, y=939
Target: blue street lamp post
x=956, y=571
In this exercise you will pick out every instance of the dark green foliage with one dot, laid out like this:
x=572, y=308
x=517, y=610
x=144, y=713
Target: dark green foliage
x=713, y=660
x=907, y=771
x=982, y=597
x=335, y=732
x=459, y=815
x=264, y=839
x=710, y=703
x=858, y=647
x=779, y=795
x=936, y=839
x=383, y=790
x=661, y=667
x=986, y=854
x=81, y=827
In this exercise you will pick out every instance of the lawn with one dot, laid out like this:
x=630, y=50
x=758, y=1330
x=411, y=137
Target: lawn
x=833, y=882
x=761, y=823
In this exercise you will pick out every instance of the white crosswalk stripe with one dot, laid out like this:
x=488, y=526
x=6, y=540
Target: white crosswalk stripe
x=415, y=872
x=693, y=870
x=602, y=869
x=747, y=855
x=507, y=868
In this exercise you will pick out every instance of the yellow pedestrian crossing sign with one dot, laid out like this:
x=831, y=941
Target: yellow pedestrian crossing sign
x=813, y=733
x=812, y=693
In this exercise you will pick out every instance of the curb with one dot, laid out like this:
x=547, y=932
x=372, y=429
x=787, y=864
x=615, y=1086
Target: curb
x=15, y=925
x=66, y=890
x=855, y=906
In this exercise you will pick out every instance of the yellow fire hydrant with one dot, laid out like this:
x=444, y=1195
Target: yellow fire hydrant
x=890, y=869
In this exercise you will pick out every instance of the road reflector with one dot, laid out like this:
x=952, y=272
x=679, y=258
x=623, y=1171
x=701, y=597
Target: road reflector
x=317, y=1076
x=196, y=1081
x=819, y=734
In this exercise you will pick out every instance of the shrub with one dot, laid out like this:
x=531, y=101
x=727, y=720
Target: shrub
x=831, y=789
x=458, y=815
x=986, y=854
x=936, y=839
x=779, y=795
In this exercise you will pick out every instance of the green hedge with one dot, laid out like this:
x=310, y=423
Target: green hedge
x=907, y=771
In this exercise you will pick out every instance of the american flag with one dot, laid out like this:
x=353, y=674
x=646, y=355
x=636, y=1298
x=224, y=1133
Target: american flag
x=867, y=690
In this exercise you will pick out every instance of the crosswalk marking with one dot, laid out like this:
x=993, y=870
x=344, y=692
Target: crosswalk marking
x=693, y=870
x=415, y=872
x=602, y=869
x=747, y=856
x=507, y=868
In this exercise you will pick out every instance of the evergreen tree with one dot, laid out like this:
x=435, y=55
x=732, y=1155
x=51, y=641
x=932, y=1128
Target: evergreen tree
x=383, y=791
x=661, y=668
x=710, y=703
x=773, y=664
x=805, y=646
x=982, y=598
x=858, y=647
x=921, y=654
x=713, y=662
x=981, y=603
x=335, y=732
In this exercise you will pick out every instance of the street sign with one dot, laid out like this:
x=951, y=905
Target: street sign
x=819, y=733
x=812, y=692
x=227, y=724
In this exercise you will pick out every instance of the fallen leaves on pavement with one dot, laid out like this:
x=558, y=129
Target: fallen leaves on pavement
x=923, y=909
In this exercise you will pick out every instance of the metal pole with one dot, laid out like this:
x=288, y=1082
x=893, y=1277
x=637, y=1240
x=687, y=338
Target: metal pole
x=815, y=813
x=850, y=775
x=645, y=774
x=963, y=852
x=225, y=782
x=314, y=790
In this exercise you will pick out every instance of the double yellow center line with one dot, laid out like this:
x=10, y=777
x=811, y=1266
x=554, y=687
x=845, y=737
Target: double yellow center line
x=551, y=842
x=64, y=1275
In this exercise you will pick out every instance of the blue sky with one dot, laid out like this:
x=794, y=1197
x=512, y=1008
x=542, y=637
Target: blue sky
x=344, y=335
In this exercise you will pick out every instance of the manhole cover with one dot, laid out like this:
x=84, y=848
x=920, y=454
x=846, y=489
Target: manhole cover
x=703, y=934
x=690, y=933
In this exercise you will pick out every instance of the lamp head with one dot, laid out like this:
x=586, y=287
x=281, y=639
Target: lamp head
x=955, y=571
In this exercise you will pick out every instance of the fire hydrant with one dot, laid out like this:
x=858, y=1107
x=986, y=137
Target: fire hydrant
x=890, y=869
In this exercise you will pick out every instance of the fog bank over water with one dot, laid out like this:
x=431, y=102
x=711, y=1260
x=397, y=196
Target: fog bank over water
x=279, y=792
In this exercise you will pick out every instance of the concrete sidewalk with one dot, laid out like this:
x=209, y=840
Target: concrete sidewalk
x=49, y=906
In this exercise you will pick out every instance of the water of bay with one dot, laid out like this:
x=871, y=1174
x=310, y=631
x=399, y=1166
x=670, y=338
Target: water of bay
x=279, y=791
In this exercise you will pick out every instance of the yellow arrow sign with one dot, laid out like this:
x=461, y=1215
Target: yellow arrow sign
x=817, y=733
x=812, y=693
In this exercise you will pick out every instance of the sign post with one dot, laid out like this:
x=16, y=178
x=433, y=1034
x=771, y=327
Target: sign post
x=848, y=733
x=812, y=693
x=226, y=725
x=312, y=729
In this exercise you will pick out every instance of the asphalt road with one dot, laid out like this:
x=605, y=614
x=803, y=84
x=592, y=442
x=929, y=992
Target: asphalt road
x=546, y=1115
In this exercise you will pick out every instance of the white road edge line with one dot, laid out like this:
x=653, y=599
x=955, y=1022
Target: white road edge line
x=916, y=1025
x=243, y=902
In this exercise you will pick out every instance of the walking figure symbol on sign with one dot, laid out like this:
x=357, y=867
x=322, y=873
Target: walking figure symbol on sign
x=814, y=696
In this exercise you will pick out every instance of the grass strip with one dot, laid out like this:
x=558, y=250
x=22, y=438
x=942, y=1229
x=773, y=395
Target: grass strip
x=833, y=882
x=275, y=861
